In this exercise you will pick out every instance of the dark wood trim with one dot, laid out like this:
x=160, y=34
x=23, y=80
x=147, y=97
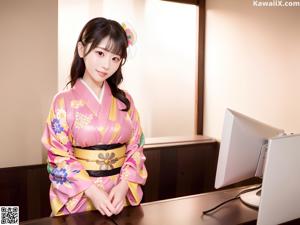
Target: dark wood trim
x=201, y=61
x=192, y=2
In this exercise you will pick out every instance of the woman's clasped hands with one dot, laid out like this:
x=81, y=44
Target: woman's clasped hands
x=108, y=204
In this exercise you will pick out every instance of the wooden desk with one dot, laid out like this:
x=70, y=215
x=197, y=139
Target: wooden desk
x=177, y=211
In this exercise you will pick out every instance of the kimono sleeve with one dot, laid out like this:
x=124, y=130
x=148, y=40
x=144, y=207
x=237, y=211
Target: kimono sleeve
x=133, y=169
x=68, y=178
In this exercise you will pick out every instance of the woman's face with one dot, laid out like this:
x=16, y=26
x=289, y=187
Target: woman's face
x=100, y=64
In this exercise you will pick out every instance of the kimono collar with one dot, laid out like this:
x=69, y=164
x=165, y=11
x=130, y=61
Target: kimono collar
x=99, y=99
x=85, y=93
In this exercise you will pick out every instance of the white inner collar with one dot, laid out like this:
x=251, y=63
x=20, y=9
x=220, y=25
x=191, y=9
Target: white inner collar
x=98, y=98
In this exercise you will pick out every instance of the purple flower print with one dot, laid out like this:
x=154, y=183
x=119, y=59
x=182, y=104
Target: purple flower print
x=55, y=124
x=59, y=175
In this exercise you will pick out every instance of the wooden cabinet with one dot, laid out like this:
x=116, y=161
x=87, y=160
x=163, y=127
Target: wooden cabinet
x=179, y=166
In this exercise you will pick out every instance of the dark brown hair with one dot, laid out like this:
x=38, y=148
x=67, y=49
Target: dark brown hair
x=92, y=33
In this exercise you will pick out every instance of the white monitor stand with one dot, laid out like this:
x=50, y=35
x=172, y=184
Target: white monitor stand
x=251, y=198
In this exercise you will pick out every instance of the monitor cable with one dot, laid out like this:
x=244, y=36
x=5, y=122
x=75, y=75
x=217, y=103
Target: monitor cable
x=234, y=198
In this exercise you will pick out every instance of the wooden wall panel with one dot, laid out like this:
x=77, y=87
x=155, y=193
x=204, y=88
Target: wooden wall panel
x=179, y=170
x=26, y=187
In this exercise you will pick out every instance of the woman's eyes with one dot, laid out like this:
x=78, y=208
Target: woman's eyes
x=114, y=58
x=100, y=53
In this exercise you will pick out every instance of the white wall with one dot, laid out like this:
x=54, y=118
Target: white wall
x=29, y=68
x=28, y=79
x=252, y=64
x=160, y=72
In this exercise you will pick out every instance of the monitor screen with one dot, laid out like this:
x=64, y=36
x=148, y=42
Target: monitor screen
x=243, y=141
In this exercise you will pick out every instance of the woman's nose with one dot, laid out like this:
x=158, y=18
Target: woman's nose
x=106, y=63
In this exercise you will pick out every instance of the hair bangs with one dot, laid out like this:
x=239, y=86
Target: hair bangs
x=116, y=46
x=117, y=39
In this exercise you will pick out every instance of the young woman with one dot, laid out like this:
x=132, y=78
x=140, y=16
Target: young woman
x=93, y=134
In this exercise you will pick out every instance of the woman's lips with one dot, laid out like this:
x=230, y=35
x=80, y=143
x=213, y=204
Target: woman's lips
x=101, y=74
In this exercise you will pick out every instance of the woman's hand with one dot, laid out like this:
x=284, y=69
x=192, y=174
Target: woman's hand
x=100, y=200
x=117, y=195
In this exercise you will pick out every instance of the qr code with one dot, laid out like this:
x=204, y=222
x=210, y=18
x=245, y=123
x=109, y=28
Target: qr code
x=9, y=215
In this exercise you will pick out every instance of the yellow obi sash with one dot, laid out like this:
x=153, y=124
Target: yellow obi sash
x=101, y=160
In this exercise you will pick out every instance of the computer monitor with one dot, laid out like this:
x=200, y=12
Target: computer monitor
x=242, y=150
x=280, y=195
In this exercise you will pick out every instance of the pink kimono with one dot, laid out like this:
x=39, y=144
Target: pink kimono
x=78, y=118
